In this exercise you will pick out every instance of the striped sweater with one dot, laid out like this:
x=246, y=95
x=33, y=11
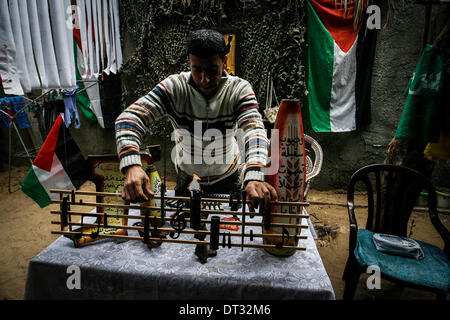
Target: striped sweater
x=206, y=131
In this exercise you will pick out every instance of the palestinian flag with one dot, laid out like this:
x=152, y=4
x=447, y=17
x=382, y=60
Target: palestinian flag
x=58, y=165
x=88, y=100
x=340, y=59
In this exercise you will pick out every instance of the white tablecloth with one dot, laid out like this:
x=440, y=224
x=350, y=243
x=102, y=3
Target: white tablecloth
x=129, y=270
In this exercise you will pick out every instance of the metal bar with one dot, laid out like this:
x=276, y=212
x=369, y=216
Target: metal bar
x=125, y=206
x=23, y=144
x=247, y=245
x=111, y=194
x=187, y=219
x=189, y=231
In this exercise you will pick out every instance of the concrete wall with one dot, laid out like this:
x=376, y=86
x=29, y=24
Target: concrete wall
x=94, y=140
x=397, y=54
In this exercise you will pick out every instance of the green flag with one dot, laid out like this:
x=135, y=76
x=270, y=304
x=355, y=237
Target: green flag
x=420, y=119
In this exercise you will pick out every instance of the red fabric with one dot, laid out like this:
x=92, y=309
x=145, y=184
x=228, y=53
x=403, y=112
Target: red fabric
x=44, y=159
x=332, y=15
x=77, y=37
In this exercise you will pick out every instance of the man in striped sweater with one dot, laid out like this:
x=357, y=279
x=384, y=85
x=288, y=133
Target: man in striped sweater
x=208, y=109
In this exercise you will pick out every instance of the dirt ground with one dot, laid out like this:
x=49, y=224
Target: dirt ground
x=25, y=231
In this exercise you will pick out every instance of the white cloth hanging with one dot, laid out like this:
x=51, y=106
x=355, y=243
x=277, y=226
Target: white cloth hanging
x=96, y=107
x=90, y=42
x=21, y=64
x=106, y=28
x=8, y=71
x=28, y=46
x=48, y=49
x=64, y=56
x=92, y=91
x=117, y=34
x=96, y=42
x=98, y=29
x=100, y=35
x=70, y=42
x=40, y=48
x=83, y=64
x=113, y=65
x=36, y=41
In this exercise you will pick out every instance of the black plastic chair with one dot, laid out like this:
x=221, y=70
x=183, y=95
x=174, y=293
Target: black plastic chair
x=395, y=189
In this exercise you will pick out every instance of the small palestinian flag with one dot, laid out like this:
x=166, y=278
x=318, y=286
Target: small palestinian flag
x=340, y=59
x=88, y=97
x=58, y=165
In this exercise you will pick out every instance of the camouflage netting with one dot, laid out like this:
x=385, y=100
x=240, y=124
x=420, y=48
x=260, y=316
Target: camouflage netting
x=272, y=39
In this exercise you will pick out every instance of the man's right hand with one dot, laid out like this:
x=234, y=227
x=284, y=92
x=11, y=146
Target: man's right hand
x=137, y=185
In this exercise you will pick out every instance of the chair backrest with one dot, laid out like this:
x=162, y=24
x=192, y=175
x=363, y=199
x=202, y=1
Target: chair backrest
x=391, y=194
x=314, y=157
x=314, y=160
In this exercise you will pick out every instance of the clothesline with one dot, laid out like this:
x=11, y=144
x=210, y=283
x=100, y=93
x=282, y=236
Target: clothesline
x=13, y=117
x=38, y=43
x=35, y=100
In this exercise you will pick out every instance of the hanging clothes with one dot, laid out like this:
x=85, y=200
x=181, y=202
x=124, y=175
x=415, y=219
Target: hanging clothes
x=107, y=32
x=116, y=34
x=48, y=49
x=83, y=61
x=112, y=52
x=96, y=38
x=70, y=103
x=100, y=34
x=63, y=49
x=33, y=115
x=37, y=42
x=14, y=107
x=21, y=64
x=90, y=104
x=88, y=100
x=90, y=43
x=69, y=43
x=111, y=97
x=102, y=52
x=38, y=50
x=8, y=70
x=52, y=109
x=27, y=45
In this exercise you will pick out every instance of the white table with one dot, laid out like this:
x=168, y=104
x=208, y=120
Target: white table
x=129, y=270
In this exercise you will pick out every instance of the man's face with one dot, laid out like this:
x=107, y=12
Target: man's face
x=207, y=72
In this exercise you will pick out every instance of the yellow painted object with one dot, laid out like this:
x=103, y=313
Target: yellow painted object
x=155, y=186
x=440, y=150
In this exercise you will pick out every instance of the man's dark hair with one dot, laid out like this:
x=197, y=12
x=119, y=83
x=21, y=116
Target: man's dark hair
x=206, y=43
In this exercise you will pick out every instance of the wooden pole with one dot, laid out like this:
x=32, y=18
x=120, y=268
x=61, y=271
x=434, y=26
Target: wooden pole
x=190, y=231
x=111, y=194
x=113, y=236
x=187, y=210
x=188, y=220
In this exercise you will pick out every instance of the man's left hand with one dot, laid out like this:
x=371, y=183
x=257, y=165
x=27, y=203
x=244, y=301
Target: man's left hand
x=260, y=192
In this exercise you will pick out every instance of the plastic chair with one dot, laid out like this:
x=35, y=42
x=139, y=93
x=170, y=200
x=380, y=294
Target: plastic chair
x=314, y=160
x=389, y=214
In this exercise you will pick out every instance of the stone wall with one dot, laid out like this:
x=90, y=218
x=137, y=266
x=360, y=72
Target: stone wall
x=397, y=53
